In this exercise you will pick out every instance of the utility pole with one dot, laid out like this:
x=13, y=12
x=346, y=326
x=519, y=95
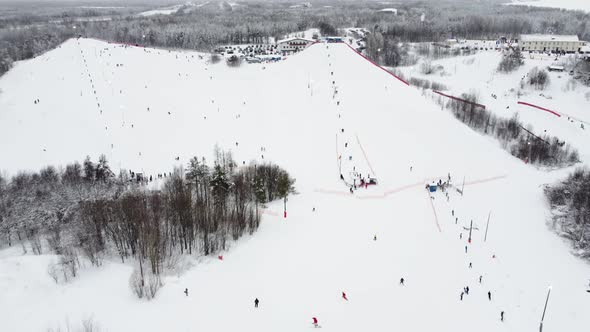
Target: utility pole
x=544, y=309
x=487, y=225
x=470, y=229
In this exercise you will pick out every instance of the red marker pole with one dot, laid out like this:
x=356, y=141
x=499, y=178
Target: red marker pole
x=285, y=207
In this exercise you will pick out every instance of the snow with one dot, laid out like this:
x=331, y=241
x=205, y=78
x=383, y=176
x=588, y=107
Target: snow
x=161, y=11
x=389, y=10
x=565, y=4
x=186, y=7
x=298, y=267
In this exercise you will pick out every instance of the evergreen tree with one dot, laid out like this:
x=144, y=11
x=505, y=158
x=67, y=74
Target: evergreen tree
x=89, y=170
x=103, y=170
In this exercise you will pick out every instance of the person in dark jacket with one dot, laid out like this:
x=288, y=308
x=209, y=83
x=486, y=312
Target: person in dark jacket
x=256, y=301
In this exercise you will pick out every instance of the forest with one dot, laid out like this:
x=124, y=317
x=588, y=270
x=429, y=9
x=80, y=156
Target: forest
x=84, y=210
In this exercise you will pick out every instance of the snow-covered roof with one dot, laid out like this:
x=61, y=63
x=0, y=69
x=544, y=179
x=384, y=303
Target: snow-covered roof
x=536, y=37
x=389, y=10
x=294, y=39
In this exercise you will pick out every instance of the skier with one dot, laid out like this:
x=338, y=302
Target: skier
x=453, y=212
x=401, y=281
x=480, y=279
x=344, y=296
x=351, y=190
x=315, y=322
x=470, y=265
x=467, y=290
x=462, y=295
x=256, y=303
x=456, y=220
x=411, y=168
x=489, y=295
x=461, y=236
x=465, y=249
x=186, y=291
x=502, y=316
x=375, y=238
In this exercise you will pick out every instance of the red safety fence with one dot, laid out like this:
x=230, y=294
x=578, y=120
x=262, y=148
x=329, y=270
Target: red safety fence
x=539, y=107
x=376, y=65
x=459, y=99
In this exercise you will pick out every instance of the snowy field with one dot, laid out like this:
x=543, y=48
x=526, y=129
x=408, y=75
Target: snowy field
x=144, y=108
x=565, y=4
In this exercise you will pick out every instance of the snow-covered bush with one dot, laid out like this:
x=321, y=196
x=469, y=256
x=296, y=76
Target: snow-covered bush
x=426, y=68
x=144, y=283
x=539, y=79
x=65, y=268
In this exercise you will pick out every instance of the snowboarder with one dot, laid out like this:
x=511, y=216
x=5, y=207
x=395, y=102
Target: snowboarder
x=344, y=296
x=186, y=291
x=502, y=316
x=256, y=303
x=489, y=295
x=401, y=281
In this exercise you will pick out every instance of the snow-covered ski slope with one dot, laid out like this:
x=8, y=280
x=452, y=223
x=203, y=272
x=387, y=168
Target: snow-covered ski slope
x=298, y=267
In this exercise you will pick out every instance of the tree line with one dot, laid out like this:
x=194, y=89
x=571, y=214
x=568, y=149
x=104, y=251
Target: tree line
x=259, y=22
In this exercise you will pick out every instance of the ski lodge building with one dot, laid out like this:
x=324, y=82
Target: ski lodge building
x=293, y=44
x=550, y=43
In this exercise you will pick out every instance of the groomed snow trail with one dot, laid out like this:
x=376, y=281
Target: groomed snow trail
x=298, y=267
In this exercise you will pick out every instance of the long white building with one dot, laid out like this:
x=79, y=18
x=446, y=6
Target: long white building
x=550, y=43
x=294, y=44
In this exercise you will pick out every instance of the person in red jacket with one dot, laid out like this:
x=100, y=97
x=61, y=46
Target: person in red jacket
x=344, y=296
x=315, y=322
